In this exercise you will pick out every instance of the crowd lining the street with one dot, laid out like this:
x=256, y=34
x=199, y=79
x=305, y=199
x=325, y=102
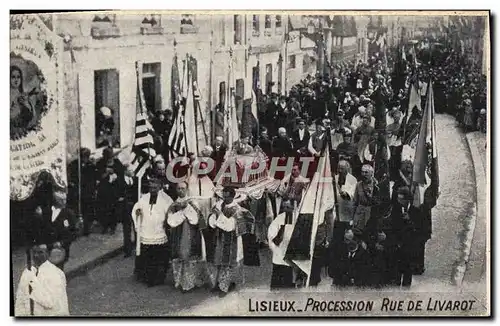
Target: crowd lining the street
x=378, y=239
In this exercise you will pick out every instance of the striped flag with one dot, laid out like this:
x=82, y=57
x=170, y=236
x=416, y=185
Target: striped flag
x=176, y=139
x=425, y=166
x=143, y=147
x=317, y=200
x=190, y=132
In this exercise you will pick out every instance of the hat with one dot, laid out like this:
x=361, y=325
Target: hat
x=361, y=109
x=105, y=111
x=347, y=132
x=341, y=112
x=483, y=111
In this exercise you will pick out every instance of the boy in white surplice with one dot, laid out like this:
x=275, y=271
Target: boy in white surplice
x=149, y=215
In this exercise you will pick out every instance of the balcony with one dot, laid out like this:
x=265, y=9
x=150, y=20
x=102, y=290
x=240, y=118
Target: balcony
x=152, y=30
x=189, y=29
x=103, y=30
x=255, y=33
x=279, y=30
x=268, y=32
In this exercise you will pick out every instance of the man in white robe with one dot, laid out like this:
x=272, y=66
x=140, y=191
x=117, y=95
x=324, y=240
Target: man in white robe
x=48, y=288
x=149, y=215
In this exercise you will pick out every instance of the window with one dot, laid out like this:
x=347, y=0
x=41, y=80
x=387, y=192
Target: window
x=305, y=64
x=153, y=20
x=187, y=25
x=255, y=24
x=237, y=29
x=104, y=26
x=278, y=21
x=151, y=25
x=103, y=18
x=268, y=21
x=107, y=106
x=151, y=86
x=291, y=62
x=186, y=20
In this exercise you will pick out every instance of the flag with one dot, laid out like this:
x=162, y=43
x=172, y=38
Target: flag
x=411, y=122
x=316, y=202
x=143, y=150
x=176, y=138
x=190, y=131
x=230, y=117
x=425, y=165
x=382, y=152
x=398, y=81
x=414, y=57
x=249, y=119
x=197, y=105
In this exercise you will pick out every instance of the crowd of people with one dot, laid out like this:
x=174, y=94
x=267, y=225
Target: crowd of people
x=376, y=238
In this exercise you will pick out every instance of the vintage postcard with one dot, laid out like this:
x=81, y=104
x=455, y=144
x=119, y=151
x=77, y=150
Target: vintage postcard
x=238, y=163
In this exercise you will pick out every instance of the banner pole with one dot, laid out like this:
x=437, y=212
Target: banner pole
x=139, y=221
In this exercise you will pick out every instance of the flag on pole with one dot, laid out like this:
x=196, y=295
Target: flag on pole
x=230, y=117
x=425, y=166
x=176, y=138
x=316, y=202
x=143, y=150
x=411, y=122
x=189, y=116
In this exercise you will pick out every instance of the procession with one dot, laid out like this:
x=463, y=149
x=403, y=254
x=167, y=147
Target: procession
x=329, y=180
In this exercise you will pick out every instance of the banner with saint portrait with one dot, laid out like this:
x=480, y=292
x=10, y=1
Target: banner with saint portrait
x=37, y=121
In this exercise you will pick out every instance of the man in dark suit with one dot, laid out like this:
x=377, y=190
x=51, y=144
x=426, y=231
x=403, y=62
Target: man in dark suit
x=271, y=115
x=300, y=139
x=61, y=230
x=282, y=145
x=405, y=236
x=110, y=190
x=353, y=262
x=265, y=143
x=88, y=181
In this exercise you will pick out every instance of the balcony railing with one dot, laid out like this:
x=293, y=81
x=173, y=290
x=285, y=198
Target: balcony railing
x=268, y=32
x=255, y=33
x=103, y=30
x=188, y=29
x=152, y=30
x=279, y=30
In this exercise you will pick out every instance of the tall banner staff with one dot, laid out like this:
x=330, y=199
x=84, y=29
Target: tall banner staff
x=148, y=151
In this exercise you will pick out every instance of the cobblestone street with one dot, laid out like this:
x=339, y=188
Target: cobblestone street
x=111, y=290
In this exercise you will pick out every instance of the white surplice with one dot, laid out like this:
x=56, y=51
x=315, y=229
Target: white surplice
x=153, y=217
x=48, y=292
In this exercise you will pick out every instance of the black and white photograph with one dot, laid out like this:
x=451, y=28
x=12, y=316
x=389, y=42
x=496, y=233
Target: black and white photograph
x=250, y=164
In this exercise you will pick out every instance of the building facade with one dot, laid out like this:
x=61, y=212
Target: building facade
x=101, y=53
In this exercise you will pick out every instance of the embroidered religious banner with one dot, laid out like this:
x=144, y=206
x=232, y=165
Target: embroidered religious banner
x=37, y=133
